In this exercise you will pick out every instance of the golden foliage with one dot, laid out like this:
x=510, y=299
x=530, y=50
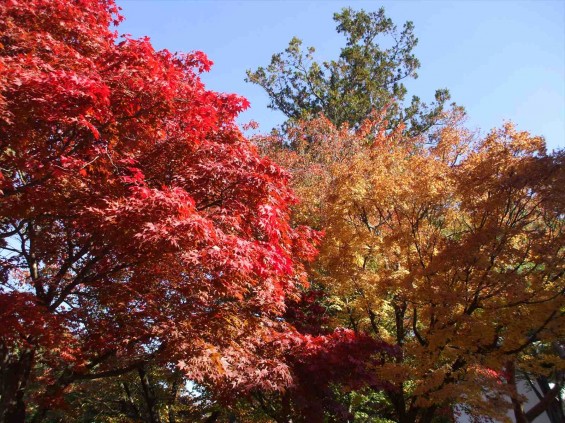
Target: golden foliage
x=450, y=247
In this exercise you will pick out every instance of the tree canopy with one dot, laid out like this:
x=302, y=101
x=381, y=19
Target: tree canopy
x=367, y=76
x=367, y=264
x=137, y=223
x=452, y=252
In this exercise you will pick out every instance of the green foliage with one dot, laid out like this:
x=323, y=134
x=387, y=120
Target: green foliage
x=367, y=76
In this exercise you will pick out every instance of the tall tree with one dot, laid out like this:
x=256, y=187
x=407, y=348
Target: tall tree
x=367, y=76
x=136, y=222
x=454, y=252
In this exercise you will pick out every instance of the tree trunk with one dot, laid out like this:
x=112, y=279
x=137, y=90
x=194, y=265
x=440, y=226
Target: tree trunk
x=149, y=396
x=130, y=408
x=286, y=407
x=14, y=373
x=519, y=414
x=428, y=414
x=173, y=400
x=549, y=403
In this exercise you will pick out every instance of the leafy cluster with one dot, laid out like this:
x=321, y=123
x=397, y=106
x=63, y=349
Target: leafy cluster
x=373, y=263
x=452, y=252
x=368, y=75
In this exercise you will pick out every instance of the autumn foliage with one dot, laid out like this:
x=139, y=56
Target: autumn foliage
x=447, y=245
x=306, y=276
x=137, y=222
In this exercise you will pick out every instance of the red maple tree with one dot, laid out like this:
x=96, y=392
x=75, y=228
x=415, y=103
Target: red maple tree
x=136, y=222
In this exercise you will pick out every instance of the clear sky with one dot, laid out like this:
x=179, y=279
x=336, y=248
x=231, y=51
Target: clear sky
x=502, y=60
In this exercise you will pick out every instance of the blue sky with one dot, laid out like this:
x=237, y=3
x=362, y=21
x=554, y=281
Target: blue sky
x=502, y=60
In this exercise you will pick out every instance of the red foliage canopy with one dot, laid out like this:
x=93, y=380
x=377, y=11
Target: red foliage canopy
x=136, y=221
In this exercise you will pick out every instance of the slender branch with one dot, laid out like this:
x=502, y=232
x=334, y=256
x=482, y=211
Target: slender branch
x=541, y=406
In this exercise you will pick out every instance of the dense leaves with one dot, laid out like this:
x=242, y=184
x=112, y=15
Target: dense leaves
x=156, y=266
x=368, y=75
x=454, y=252
x=137, y=222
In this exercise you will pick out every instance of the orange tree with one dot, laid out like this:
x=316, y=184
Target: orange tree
x=449, y=247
